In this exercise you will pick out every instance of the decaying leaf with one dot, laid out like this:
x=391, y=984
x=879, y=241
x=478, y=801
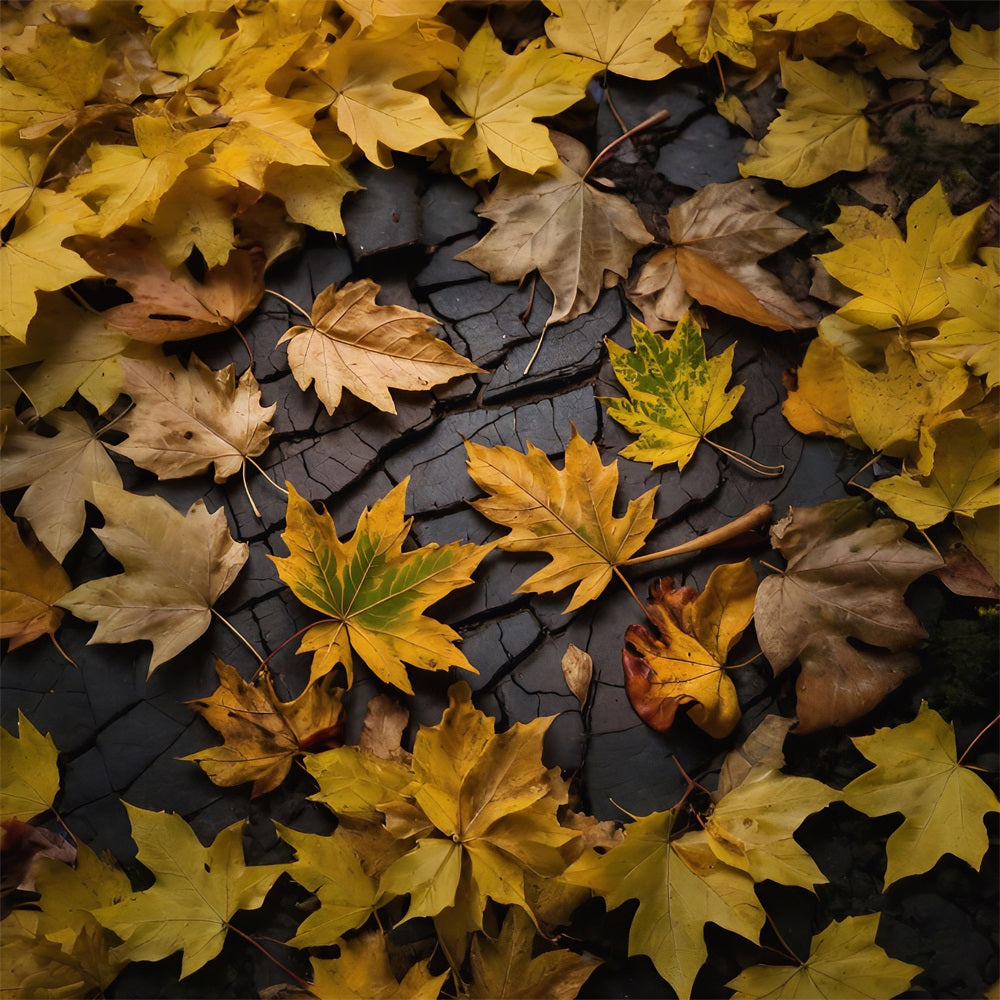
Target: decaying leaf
x=685, y=664
x=917, y=773
x=820, y=130
x=176, y=567
x=567, y=514
x=844, y=962
x=383, y=727
x=762, y=747
x=681, y=885
x=578, y=670
x=263, y=734
x=368, y=349
x=61, y=473
x=187, y=419
x=196, y=892
x=29, y=779
x=500, y=95
x=717, y=238
x=845, y=580
x=31, y=581
x=504, y=969
x=578, y=238
x=372, y=593
x=676, y=394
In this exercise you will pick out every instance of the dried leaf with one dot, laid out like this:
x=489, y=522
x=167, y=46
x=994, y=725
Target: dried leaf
x=23, y=845
x=578, y=670
x=762, y=747
x=355, y=344
x=566, y=514
x=382, y=730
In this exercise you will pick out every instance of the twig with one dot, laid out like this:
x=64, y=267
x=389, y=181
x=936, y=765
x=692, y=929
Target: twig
x=769, y=471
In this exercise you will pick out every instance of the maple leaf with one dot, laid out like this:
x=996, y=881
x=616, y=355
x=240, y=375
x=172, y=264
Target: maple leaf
x=717, y=238
x=353, y=781
x=844, y=961
x=845, y=579
x=176, y=567
x=895, y=21
x=33, y=258
x=566, y=514
x=752, y=826
x=500, y=96
x=719, y=26
x=976, y=76
x=29, y=780
x=171, y=305
x=901, y=280
x=621, y=35
x=187, y=419
x=353, y=343
x=981, y=534
x=686, y=663
x=31, y=581
x=372, y=592
x=962, y=480
x=676, y=394
x=263, y=734
x=61, y=473
x=577, y=237
x=363, y=972
x=681, y=885
x=367, y=12
x=817, y=401
x=196, y=892
x=345, y=902
x=917, y=773
x=504, y=968
x=820, y=130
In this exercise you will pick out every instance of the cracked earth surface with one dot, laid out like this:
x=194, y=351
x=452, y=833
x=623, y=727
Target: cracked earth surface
x=121, y=735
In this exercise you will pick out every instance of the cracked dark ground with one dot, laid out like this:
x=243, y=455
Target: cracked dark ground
x=121, y=735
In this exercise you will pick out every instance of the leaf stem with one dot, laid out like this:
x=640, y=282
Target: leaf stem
x=662, y=115
x=246, y=344
x=246, y=489
x=287, y=300
x=284, y=968
x=788, y=951
x=274, y=652
x=538, y=347
x=979, y=736
x=761, y=514
x=239, y=635
x=769, y=471
x=280, y=489
x=114, y=420
x=62, y=652
x=628, y=587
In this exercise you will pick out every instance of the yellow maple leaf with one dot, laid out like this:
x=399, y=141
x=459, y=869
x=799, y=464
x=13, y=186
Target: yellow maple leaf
x=978, y=75
x=29, y=781
x=844, y=962
x=817, y=395
x=620, y=35
x=891, y=18
x=726, y=27
x=567, y=514
x=820, y=130
x=500, y=95
x=372, y=592
x=675, y=394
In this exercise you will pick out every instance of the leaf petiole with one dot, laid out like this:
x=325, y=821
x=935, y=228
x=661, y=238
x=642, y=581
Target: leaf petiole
x=769, y=471
x=294, y=305
x=232, y=628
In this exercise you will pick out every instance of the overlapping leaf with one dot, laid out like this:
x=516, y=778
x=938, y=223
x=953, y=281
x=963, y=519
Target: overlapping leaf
x=567, y=514
x=30, y=778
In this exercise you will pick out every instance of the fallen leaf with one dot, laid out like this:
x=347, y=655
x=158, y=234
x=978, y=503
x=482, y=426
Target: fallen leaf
x=353, y=782
x=578, y=238
x=500, y=95
x=23, y=845
x=891, y=20
x=685, y=664
x=717, y=238
x=263, y=735
x=578, y=670
x=504, y=968
x=621, y=35
x=61, y=473
x=372, y=593
x=172, y=305
x=176, y=567
x=977, y=73
x=195, y=893
x=821, y=129
x=363, y=972
x=188, y=419
x=963, y=478
x=917, y=773
x=676, y=395
x=383, y=728
x=752, y=826
x=31, y=581
x=566, y=514
x=29, y=780
x=345, y=902
x=844, y=580
x=762, y=747
x=982, y=535
x=681, y=885
x=844, y=962
x=355, y=344
x=817, y=401
x=718, y=26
